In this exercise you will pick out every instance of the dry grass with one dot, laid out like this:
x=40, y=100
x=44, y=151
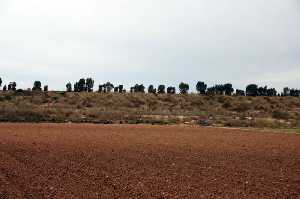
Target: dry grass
x=274, y=112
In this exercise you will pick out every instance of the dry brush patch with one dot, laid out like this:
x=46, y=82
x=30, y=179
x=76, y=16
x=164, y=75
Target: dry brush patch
x=94, y=107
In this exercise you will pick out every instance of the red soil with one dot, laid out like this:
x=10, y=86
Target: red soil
x=138, y=161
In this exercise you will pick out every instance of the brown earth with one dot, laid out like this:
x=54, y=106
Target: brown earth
x=140, y=161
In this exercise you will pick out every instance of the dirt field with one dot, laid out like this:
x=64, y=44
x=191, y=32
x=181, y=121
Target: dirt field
x=123, y=161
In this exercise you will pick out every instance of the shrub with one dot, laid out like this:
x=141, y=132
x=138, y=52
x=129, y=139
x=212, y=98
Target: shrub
x=242, y=107
x=184, y=88
x=227, y=104
x=281, y=114
x=8, y=97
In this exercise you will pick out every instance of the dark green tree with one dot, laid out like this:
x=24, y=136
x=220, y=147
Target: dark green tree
x=89, y=84
x=139, y=88
x=184, y=88
x=132, y=90
x=12, y=86
x=0, y=82
x=81, y=85
x=121, y=88
x=228, y=89
x=252, y=90
x=262, y=91
x=219, y=89
x=151, y=89
x=271, y=92
x=76, y=87
x=37, y=86
x=212, y=90
x=46, y=88
x=201, y=87
x=104, y=88
x=240, y=92
x=69, y=87
x=294, y=92
x=286, y=91
x=108, y=87
x=101, y=88
x=171, y=90
x=161, y=89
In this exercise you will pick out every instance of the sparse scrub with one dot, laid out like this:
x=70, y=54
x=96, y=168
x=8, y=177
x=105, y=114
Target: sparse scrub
x=121, y=107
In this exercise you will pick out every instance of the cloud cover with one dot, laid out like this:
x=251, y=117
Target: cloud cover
x=132, y=41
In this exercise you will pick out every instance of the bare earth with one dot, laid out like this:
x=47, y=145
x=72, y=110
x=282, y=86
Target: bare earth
x=139, y=161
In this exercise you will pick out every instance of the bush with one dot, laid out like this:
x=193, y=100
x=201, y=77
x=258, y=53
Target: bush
x=8, y=98
x=281, y=114
x=227, y=105
x=242, y=107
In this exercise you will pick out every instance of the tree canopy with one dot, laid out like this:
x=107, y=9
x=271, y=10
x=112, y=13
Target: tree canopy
x=161, y=89
x=184, y=88
x=37, y=86
x=201, y=87
x=87, y=85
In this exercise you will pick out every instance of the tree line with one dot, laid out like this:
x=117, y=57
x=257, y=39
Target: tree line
x=87, y=85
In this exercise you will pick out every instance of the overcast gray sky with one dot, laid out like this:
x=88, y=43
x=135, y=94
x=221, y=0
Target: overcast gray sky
x=150, y=41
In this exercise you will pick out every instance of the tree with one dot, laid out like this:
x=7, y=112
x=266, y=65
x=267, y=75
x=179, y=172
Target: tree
x=108, y=87
x=0, y=82
x=252, y=90
x=121, y=88
x=81, y=85
x=294, y=92
x=46, y=88
x=171, y=90
x=101, y=88
x=184, y=88
x=151, y=89
x=219, y=89
x=89, y=84
x=228, y=89
x=76, y=87
x=240, y=92
x=4, y=88
x=37, y=86
x=12, y=86
x=201, y=87
x=262, y=91
x=271, y=92
x=138, y=88
x=131, y=89
x=286, y=91
x=161, y=89
x=141, y=88
x=211, y=90
x=69, y=87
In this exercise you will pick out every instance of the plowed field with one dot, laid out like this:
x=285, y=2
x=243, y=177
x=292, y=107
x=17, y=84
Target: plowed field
x=139, y=161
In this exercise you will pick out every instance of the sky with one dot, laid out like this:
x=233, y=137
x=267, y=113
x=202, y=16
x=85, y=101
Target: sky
x=150, y=42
